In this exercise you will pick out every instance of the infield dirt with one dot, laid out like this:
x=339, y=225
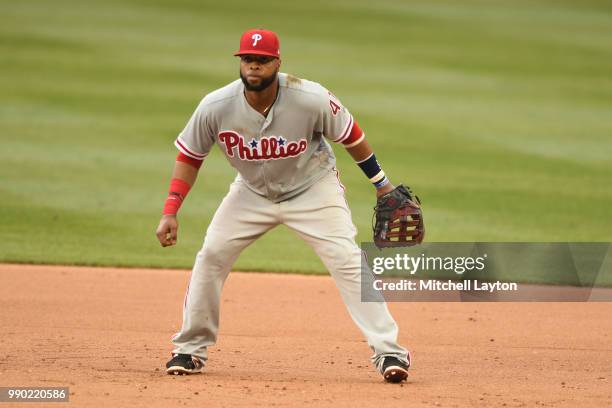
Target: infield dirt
x=286, y=340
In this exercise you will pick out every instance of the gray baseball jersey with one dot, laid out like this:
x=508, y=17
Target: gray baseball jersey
x=277, y=156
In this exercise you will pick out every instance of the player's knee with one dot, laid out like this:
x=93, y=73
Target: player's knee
x=342, y=258
x=214, y=253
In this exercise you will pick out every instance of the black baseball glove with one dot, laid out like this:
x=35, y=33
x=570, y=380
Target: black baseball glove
x=398, y=219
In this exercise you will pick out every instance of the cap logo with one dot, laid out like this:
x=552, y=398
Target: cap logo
x=256, y=38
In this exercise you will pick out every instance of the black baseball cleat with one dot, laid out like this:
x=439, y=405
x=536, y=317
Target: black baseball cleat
x=184, y=364
x=394, y=371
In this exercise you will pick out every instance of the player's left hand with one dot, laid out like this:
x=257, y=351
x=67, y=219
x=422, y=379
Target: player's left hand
x=398, y=218
x=387, y=188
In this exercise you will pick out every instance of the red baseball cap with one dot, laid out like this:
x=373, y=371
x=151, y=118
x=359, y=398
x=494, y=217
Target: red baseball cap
x=259, y=42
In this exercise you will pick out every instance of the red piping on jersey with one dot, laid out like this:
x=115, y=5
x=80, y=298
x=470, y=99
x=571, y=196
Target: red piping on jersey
x=346, y=130
x=338, y=177
x=188, y=152
x=197, y=163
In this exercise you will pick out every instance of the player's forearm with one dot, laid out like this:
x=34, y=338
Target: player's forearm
x=185, y=172
x=184, y=175
x=366, y=160
x=361, y=151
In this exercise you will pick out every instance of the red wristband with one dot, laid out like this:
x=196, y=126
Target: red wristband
x=177, y=193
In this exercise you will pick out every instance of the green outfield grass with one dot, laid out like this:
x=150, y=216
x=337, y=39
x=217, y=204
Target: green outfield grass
x=499, y=114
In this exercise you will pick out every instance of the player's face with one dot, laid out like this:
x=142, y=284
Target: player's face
x=258, y=72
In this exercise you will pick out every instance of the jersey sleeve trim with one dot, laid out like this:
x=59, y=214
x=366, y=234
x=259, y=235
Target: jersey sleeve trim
x=347, y=130
x=183, y=148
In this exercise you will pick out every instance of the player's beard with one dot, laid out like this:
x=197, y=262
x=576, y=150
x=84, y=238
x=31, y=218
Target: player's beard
x=263, y=84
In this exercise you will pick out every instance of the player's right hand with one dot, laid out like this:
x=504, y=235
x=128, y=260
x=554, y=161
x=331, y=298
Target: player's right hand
x=167, y=231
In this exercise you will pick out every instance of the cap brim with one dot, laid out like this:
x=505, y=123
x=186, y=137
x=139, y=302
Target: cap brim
x=256, y=52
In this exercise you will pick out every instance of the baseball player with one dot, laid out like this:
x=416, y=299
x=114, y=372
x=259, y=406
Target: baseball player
x=275, y=130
